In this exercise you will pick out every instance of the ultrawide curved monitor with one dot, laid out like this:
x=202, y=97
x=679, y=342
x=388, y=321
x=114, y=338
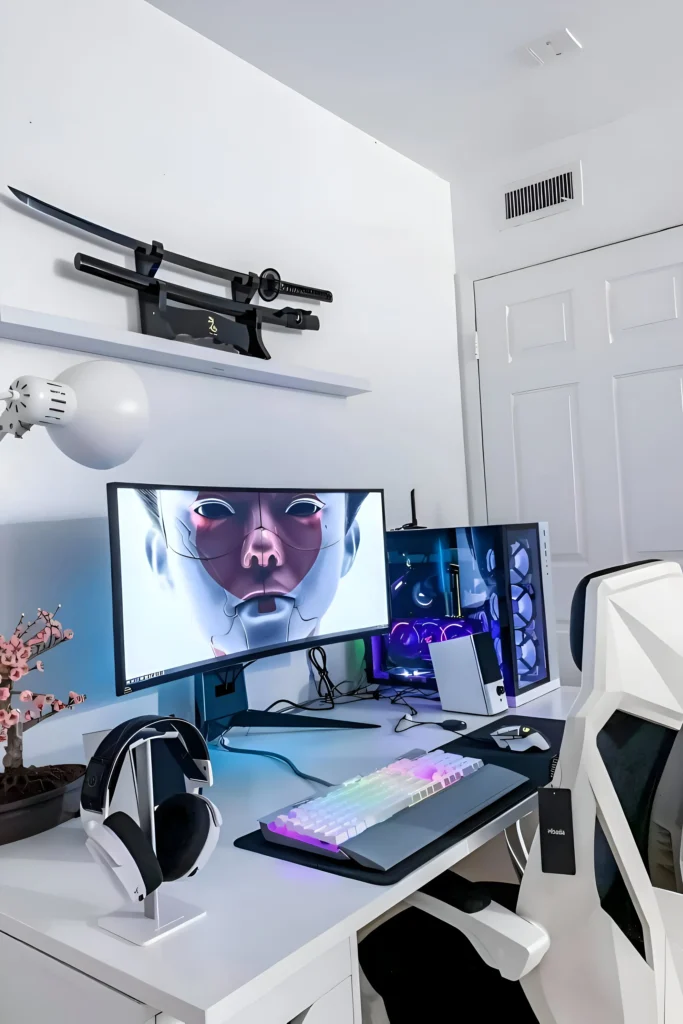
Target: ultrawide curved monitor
x=206, y=576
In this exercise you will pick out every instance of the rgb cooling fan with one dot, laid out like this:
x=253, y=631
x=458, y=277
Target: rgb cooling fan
x=522, y=606
x=523, y=611
x=520, y=566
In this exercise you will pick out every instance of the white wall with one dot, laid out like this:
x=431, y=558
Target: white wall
x=117, y=112
x=632, y=170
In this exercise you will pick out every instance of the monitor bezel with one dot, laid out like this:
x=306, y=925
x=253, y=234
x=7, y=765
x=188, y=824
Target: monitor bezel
x=124, y=688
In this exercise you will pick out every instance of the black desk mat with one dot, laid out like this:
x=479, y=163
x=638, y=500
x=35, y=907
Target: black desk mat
x=534, y=764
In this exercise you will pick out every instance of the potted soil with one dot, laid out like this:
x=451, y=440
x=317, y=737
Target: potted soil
x=32, y=799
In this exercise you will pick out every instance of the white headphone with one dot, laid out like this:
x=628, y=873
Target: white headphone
x=186, y=825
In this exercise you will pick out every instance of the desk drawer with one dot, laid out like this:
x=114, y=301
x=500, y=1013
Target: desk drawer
x=37, y=989
x=299, y=991
x=335, y=1007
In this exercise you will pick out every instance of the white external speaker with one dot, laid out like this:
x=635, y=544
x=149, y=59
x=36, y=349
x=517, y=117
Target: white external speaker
x=468, y=675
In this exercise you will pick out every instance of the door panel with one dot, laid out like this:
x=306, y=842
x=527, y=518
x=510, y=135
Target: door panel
x=581, y=372
x=544, y=430
x=642, y=300
x=537, y=323
x=650, y=451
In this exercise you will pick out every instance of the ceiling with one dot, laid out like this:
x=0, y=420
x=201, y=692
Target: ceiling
x=444, y=81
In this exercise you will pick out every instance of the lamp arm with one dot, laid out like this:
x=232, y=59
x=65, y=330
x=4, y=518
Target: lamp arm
x=9, y=424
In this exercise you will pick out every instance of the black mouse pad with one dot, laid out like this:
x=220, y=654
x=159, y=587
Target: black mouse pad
x=534, y=764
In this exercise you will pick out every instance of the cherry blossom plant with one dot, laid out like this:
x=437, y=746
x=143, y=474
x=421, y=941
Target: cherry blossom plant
x=19, y=656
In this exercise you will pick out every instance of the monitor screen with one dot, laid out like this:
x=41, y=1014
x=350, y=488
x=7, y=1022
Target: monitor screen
x=204, y=576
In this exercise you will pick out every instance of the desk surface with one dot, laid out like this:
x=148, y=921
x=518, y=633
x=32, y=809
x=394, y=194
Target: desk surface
x=265, y=918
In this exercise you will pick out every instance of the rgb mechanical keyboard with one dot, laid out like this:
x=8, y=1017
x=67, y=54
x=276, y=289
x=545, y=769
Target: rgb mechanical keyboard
x=380, y=819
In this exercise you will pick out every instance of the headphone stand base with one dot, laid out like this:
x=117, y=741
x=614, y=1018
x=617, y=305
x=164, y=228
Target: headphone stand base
x=133, y=924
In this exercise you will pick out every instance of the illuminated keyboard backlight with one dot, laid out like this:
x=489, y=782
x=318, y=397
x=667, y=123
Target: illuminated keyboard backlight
x=309, y=840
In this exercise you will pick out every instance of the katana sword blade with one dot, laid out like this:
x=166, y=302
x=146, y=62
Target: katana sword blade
x=77, y=222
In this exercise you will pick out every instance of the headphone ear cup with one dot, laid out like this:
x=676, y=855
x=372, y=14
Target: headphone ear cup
x=182, y=826
x=139, y=847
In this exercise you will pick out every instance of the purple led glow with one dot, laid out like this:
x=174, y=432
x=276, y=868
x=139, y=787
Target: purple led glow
x=403, y=625
x=311, y=840
x=454, y=629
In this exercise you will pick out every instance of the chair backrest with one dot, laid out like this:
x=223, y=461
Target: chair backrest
x=609, y=952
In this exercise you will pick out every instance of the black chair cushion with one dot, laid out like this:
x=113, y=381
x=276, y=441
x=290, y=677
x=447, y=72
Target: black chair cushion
x=424, y=970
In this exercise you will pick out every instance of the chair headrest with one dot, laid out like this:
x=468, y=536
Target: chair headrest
x=578, y=612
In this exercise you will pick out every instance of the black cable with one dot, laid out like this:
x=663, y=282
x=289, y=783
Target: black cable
x=317, y=657
x=331, y=693
x=333, y=696
x=311, y=705
x=414, y=725
x=277, y=757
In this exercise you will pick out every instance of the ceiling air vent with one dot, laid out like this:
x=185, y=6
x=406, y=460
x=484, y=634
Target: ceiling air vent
x=558, y=191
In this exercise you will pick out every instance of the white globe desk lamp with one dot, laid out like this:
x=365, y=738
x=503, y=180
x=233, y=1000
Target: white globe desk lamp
x=95, y=412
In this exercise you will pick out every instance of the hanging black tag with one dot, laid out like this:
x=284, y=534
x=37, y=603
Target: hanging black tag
x=556, y=827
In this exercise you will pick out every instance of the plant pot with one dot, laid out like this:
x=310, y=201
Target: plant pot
x=34, y=814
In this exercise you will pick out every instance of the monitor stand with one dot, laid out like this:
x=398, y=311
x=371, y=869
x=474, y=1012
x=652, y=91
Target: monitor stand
x=221, y=703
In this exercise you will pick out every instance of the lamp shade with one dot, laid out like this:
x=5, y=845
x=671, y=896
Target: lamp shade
x=110, y=418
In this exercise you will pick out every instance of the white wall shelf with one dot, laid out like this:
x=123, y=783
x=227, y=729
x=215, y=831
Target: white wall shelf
x=110, y=342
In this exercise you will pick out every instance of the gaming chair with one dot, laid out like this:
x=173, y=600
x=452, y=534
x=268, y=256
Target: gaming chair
x=604, y=944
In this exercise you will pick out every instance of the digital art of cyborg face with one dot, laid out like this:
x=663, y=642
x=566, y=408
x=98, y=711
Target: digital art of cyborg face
x=257, y=568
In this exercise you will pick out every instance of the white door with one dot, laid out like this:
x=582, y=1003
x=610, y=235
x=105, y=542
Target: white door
x=581, y=372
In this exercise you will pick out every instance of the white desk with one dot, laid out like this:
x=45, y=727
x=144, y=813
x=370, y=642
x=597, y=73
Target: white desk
x=277, y=937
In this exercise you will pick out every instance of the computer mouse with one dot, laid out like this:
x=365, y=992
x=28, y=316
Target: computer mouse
x=520, y=738
x=453, y=725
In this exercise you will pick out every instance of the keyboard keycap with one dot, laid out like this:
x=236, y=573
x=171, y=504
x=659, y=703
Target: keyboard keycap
x=359, y=803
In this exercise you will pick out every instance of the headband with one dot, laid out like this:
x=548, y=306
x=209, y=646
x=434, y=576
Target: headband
x=188, y=748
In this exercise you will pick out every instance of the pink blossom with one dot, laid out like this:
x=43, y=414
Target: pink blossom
x=11, y=717
x=77, y=698
x=68, y=634
x=40, y=702
x=4, y=692
x=39, y=666
x=16, y=674
x=49, y=698
x=27, y=716
x=14, y=657
x=3, y=737
x=26, y=696
x=17, y=647
x=4, y=715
